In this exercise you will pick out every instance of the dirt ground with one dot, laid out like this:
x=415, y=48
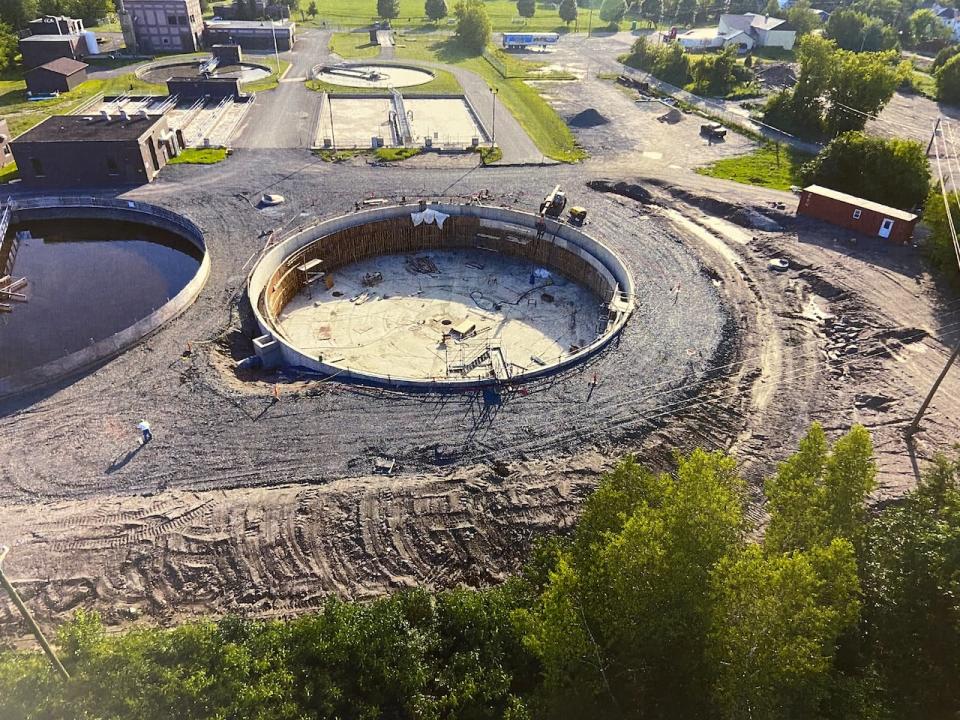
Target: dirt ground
x=250, y=504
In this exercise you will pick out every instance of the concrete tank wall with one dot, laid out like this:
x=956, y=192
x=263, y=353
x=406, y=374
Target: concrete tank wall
x=277, y=262
x=68, y=207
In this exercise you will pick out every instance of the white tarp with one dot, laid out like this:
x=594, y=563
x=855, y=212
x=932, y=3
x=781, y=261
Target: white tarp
x=429, y=216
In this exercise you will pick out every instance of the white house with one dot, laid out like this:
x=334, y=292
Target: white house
x=743, y=32
x=948, y=17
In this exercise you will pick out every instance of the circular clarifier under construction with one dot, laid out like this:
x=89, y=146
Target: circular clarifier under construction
x=372, y=76
x=162, y=71
x=441, y=295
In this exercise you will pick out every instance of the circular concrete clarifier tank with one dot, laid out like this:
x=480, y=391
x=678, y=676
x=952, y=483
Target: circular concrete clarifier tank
x=161, y=72
x=371, y=75
x=378, y=298
x=101, y=274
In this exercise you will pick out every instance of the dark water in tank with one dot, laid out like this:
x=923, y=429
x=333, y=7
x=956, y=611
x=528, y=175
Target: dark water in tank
x=88, y=279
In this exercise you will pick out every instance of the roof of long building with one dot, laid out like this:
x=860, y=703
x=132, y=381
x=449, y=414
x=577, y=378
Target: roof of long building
x=859, y=202
x=71, y=128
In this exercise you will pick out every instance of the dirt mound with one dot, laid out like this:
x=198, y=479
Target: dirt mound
x=778, y=75
x=673, y=115
x=587, y=119
x=630, y=190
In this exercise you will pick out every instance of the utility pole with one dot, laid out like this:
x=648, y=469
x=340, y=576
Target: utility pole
x=590, y=20
x=915, y=423
x=493, y=140
x=37, y=633
x=933, y=135
x=276, y=52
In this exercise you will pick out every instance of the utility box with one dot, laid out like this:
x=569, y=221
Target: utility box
x=268, y=350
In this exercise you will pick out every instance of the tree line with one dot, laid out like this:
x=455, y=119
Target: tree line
x=661, y=604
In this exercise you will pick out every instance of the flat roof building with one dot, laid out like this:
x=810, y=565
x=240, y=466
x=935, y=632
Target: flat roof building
x=862, y=216
x=94, y=150
x=56, y=76
x=162, y=26
x=40, y=49
x=55, y=25
x=251, y=34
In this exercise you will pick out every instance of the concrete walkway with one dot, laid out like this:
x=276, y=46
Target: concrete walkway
x=287, y=117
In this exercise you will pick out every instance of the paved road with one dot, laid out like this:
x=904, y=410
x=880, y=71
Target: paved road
x=287, y=117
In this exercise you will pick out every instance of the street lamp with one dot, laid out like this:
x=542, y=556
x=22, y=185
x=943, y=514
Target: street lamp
x=37, y=633
x=493, y=140
x=276, y=52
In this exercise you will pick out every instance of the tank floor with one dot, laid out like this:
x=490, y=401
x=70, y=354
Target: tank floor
x=396, y=326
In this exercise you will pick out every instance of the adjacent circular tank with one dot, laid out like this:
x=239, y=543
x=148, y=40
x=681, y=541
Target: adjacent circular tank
x=446, y=296
x=100, y=275
x=372, y=75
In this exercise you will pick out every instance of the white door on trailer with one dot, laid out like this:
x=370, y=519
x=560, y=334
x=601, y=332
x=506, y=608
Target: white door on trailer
x=885, y=227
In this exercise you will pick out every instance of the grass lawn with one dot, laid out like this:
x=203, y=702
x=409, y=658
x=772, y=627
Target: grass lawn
x=444, y=82
x=924, y=84
x=545, y=127
x=353, y=45
x=270, y=82
x=503, y=16
x=765, y=167
x=9, y=172
x=200, y=156
x=22, y=114
x=396, y=154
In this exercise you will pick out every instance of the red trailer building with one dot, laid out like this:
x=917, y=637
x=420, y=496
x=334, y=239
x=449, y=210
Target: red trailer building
x=853, y=213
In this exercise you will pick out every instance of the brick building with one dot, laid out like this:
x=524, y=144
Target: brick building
x=83, y=151
x=857, y=214
x=56, y=76
x=161, y=26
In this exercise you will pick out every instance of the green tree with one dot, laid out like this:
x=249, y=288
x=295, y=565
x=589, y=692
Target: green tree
x=939, y=245
x=435, y=9
x=777, y=621
x=772, y=8
x=860, y=85
x=893, y=172
x=568, y=11
x=925, y=26
x=888, y=12
x=9, y=48
x=621, y=628
x=388, y=8
x=686, y=9
x=17, y=13
x=802, y=18
x=948, y=81
x=846, y=28
x=312, y=9
x=652, y=10
x=612, y=11
x=944, y=55
x=526, y=8
x=473, y=25
x=818, y=494
x=911, y=597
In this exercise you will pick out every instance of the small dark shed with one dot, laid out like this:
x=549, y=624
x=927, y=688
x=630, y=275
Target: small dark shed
x=227, y=54
x=190, y=88
x=862, y=216
x=60, y=75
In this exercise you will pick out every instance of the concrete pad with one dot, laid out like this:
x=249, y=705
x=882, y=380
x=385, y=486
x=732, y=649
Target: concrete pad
x=395, y=327
x=356, y=121
x=447, y=121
